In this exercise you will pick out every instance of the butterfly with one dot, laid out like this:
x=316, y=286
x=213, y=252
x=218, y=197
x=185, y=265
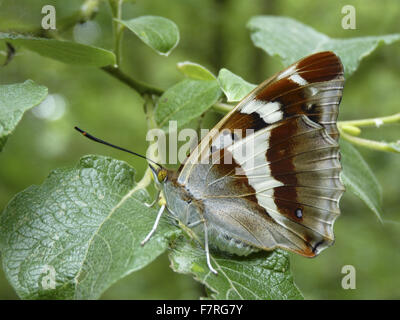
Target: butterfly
x=277, y=185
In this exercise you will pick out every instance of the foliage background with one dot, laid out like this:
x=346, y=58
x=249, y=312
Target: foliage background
x=214, y=34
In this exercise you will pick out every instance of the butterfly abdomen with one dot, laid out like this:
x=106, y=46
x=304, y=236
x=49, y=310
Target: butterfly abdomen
x=222, y=241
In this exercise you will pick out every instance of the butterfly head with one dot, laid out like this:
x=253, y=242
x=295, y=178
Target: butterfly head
x=160, y=174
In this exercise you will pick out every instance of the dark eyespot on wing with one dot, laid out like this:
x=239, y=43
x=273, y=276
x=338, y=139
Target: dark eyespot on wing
x=299, y=213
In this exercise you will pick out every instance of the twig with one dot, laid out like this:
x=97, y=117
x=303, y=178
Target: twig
x=370, y=144
x=350, y=129
x=139, y=86
x=373, y=122
x=116, y=9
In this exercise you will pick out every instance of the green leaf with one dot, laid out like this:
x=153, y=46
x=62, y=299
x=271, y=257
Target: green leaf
x=159, y=33
x=234, y=87
x=358, y=178
x=352, y=51
x=264, y=275
x=15, y=99
x=195, y=71
x=64, y=51
x=291, y=40
x=83, y=223
x=186, y=101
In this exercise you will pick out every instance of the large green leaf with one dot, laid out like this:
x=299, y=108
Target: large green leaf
x=234, y=87
x=84, y=223
x=186, y=101
x=15, y=99
x=64, y=51
x=359, y=178
x=264, y=275
x=159, y=33
x=291, y=40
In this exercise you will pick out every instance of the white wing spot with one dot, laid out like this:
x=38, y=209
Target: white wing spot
x=274, y=117
x=253, y=106
x=296, y=78
x=270, y=112
x=287, y=72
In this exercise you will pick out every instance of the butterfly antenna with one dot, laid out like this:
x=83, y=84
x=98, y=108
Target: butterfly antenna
x=89, y=136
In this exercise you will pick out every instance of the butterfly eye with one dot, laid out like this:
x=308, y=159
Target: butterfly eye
x=162, y=175
x=299, y=213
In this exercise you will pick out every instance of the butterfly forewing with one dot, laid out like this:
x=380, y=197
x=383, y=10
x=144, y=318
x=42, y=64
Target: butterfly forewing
x=285, y=191
x=313, y=87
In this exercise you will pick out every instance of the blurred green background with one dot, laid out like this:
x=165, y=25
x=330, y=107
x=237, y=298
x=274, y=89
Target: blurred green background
x=214, y=34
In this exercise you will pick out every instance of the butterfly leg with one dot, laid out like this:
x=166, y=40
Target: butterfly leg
x=194, y=224
x=207, y=249
x=149, y=205
x=160, y=212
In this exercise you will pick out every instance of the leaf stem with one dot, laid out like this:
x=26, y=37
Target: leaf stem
x=147, y=176
x=373, y=122
x=139, y=86
x=151, y=124
x=145, y=181
x=370, y=144
x=116, y=9
x=348, y=130
x=221, y=107
x=149, y=111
